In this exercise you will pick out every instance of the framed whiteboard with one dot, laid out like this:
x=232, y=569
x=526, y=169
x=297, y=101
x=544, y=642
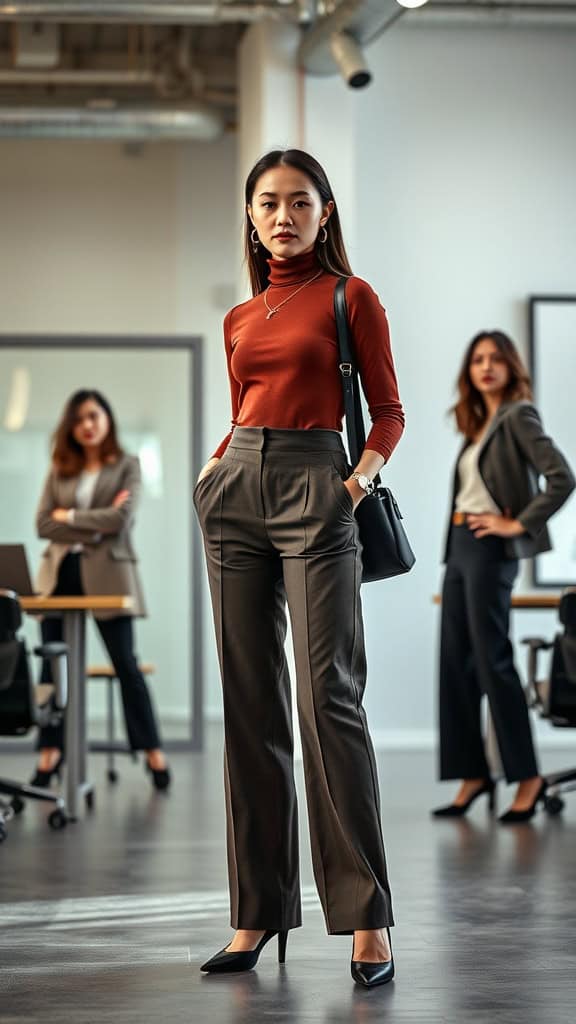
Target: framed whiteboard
x=553, y=366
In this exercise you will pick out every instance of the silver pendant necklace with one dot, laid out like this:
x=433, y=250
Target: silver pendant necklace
x=272, y=310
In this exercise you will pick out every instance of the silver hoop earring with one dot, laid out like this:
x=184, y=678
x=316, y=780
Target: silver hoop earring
x=255, y=240
x=325, y=239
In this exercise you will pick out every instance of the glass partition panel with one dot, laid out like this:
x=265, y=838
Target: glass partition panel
x=154, y=391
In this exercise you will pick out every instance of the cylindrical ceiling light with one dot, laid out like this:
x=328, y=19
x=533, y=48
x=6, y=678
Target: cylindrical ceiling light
x=350, y=60
x=412, y=3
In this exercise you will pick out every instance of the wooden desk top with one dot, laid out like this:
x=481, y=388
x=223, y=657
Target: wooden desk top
x=103, y=603
x=534, y=601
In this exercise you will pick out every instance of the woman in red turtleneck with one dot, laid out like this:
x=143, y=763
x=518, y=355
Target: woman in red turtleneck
x=276, y=505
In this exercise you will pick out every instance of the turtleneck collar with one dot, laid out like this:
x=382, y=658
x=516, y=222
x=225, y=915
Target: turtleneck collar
x=294, y=270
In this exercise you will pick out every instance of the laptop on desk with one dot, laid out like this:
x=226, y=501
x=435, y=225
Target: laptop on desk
x=14, y=571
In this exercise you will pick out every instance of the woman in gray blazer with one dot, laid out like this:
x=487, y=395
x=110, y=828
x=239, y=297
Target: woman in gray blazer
x=498, y=515
x=86, y=512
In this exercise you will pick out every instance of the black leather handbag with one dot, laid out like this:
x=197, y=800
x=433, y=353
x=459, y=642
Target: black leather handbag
x=386, y=549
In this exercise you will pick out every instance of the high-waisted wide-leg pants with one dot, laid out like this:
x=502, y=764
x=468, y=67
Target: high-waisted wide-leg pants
x=278, y=525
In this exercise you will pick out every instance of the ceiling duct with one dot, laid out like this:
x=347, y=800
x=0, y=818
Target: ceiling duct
x=186, y=123
x=162, y=12
x=499, y=12
x=361, y=20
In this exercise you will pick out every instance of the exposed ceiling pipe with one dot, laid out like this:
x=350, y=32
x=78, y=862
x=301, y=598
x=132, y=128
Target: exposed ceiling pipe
x=359, y=19
x=186, y=123
x=176, y=12
x=221, y=97
x=77, y=78
x=513, y=12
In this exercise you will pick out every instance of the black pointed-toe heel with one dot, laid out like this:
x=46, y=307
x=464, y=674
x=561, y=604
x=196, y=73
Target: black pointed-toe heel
x=226, y=962
x=371, y=974
x=516, y=817
x=161, y=777
x=42, y=779
x=458, y=810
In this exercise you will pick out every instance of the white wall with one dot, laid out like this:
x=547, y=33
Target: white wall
x=464, y=150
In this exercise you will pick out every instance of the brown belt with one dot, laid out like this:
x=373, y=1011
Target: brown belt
x=462, y=518
x=459, y=518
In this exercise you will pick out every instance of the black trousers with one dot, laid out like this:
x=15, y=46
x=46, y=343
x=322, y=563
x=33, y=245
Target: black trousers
x=118, y=637
x=476, y=658
x=279, y=528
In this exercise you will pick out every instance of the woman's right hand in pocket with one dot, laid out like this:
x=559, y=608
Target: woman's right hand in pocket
x=207, y=469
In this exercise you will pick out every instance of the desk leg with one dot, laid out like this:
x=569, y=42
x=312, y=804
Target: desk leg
x=76, y=784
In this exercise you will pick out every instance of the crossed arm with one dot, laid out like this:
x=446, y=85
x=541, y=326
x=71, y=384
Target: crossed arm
x=86, y=526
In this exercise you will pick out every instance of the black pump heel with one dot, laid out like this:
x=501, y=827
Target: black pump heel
x=226, y=962
x=371, y=974
x=161, y=777
x=42, y=778
x=458, y=810
x=517, y=817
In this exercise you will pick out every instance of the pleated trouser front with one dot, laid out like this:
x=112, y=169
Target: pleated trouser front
x=279, y=527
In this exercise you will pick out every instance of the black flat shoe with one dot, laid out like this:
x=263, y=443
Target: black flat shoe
x=225, y=962
x=42, y=779
x=458, y=810
x=161, y=777
x=515, y=817
x=368, y=974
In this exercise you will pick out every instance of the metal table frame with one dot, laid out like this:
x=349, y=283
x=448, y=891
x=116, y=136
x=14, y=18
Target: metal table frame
x=73, y=611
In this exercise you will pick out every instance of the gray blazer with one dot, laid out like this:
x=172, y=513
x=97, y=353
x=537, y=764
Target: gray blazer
x=514, y=454
x=108, y=564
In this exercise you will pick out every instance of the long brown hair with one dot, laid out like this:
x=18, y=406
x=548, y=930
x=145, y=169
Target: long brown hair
x=67, y=454
x=470, y=411
x=331, y=254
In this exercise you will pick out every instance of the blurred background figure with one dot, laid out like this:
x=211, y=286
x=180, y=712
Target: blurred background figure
x=87, y=512
x=498, y=515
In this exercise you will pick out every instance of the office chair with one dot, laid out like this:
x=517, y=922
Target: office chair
x=24, y=706
x=555, y=697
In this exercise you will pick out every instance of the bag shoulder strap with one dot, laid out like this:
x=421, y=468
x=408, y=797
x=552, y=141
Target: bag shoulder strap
x=350, y=379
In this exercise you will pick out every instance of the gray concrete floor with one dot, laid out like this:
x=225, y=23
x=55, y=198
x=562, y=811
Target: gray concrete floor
x=109, y=919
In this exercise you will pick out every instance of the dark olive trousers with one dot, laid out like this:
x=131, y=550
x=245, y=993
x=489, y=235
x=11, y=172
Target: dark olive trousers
x=278, y=525
x=476, y=659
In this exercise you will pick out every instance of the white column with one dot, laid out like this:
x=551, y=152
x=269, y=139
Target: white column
x=269, y=85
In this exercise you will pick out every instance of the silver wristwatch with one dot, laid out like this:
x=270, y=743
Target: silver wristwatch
x=364, y=482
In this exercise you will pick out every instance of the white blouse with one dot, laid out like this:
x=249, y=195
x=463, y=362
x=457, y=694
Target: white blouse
x=84, y=493
x=473, y=495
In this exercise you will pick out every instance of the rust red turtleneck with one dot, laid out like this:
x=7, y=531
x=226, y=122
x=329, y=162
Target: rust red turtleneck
x=284, y=371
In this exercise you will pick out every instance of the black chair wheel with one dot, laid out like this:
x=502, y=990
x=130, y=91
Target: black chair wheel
x=18, y=804
x=112, y=775
x=553, y=804
x=90, y=800
x=57, y=820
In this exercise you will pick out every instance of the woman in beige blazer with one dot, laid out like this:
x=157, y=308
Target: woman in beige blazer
x=86, y=512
